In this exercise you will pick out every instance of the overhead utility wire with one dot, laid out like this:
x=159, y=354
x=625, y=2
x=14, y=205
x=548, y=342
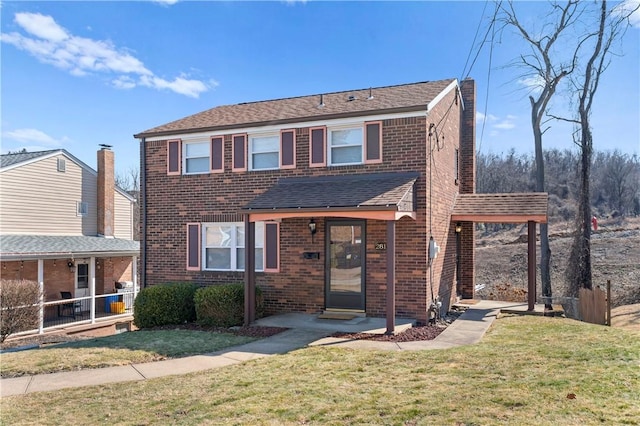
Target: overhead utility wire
x=475, y=37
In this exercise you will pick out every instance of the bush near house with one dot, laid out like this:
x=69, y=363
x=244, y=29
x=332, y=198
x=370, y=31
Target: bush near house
x=223, y=305
x=165, y=304
x=19, y=306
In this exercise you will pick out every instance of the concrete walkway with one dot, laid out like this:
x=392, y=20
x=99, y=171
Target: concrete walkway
x=304, y=330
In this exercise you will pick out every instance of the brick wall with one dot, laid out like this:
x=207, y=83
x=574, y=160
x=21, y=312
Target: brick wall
x=174, y=201
x=468, y=186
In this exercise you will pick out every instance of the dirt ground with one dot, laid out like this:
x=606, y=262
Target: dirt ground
x=501, y=262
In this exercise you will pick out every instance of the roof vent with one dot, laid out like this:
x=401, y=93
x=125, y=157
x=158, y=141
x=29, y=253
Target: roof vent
x=321, y=104
x=370, y=94
x=352, y=98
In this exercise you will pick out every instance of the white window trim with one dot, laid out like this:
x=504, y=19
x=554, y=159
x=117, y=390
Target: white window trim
x=82, y=208
x=185, y=158
x=235, y=245
x=250, y=152
x=330, y=130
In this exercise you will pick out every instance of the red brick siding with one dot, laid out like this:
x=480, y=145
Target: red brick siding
x=173, y=201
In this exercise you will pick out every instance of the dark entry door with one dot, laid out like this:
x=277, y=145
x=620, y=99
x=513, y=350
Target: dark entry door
x=345, y=268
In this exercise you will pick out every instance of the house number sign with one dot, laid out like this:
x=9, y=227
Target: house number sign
x=381, y=246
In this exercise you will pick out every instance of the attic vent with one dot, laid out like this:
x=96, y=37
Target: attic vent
x=62, y=165
x=352, y=98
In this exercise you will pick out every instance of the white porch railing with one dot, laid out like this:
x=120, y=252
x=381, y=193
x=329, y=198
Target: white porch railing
x=82, y=310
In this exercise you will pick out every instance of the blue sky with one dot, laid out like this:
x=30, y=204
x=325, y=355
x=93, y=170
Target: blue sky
x=78, y=74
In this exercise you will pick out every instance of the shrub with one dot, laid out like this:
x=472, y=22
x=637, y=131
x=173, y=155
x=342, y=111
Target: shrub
x=19, y=303
x=223, y=305
x=165, y=304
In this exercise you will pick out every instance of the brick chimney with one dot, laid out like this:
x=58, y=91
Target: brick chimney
x=468, y=185
x=106, y=188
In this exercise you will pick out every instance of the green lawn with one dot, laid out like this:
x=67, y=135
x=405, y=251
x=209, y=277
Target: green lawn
x=521, y=373
x=120, y=349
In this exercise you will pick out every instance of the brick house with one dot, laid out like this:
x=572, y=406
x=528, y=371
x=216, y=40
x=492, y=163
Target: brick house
x=67, y=227
x=346, y=198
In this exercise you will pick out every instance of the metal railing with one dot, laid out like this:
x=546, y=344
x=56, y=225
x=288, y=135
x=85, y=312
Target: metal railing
x=82, y=310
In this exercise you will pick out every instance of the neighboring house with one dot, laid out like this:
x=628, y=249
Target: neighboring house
x=65, y=225
x=342, y=201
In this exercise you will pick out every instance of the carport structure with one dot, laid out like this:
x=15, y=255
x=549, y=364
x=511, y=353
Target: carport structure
x=530, y=208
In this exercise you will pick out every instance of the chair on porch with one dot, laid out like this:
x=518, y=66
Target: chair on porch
x=73, y=307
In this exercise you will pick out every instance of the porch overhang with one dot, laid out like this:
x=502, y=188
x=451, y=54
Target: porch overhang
x=501, y=208
x=382, y=196
x=33, y=247
x=529, y=208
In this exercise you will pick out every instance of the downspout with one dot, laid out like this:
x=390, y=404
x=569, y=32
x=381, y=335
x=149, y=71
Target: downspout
x=143, y=219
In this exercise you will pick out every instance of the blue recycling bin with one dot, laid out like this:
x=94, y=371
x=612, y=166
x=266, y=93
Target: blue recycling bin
x=107, y=303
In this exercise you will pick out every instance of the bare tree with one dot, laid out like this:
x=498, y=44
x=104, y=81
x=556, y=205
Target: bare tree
x=130, y=182
x=595, y=41
x=541, y=66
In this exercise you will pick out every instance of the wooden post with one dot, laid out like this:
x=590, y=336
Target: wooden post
x=531, y=265
x=608, y=322
x=391, y=277
x=249, y=271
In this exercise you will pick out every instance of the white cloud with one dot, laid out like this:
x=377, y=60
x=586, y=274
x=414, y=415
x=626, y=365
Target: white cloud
x=631, y=7
x=534, y=83
x=34, y=136
x=496, y=123
x=52, y=44
x=480, y=117
x=165, y=2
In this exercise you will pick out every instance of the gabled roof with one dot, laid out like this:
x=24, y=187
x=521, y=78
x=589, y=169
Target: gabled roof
x=11, y=161
x=7, y=160
x=350, y=103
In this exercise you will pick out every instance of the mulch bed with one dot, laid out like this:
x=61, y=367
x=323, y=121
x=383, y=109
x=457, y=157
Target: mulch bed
x=413, y=334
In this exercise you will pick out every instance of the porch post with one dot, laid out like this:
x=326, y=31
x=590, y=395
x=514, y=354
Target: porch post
x=134, y=276
x=531, y=264
x=92, y=288
x=391, y=276
x=41, y=296
x=249, y=271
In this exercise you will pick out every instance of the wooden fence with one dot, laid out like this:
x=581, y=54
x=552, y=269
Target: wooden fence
x=594, y=305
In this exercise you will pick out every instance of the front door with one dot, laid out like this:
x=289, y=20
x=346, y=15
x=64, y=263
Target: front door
x=82, y=278
x=345, y=267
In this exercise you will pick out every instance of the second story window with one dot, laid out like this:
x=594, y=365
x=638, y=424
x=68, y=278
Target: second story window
x=264, y=152
x=195, y=157
x=345, y=146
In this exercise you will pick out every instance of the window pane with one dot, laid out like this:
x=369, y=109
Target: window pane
x=265, y=144
x=195, y=165
x=346, y=137
x=351, y=154
x=259, y=234
x=218, y=258
x=219, y=236
x=266, y=161
x=259, y=260
x=240, y=236
x=197, y=149
x=240, y=259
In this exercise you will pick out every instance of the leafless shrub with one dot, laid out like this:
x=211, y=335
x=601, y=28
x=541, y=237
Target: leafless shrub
x=19, y=306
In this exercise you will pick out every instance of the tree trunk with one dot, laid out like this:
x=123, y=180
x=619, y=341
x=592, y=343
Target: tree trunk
x=545, y=250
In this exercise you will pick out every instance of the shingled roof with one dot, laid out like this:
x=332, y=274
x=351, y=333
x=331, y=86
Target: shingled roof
x=368, y=191
x=25, y=247
x=7, y=160
x=501, y=208
x=350, y=103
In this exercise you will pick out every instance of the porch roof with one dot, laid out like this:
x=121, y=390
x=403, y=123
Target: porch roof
x=501, y=208
x=30, y=247
x=368, y=195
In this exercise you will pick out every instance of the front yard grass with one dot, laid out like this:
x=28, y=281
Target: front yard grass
x=120, y=349
x=526, y=370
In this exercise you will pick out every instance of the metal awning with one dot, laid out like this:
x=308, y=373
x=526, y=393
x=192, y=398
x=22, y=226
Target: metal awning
x=384, y=196
x=31, y=247
x=501, y=208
